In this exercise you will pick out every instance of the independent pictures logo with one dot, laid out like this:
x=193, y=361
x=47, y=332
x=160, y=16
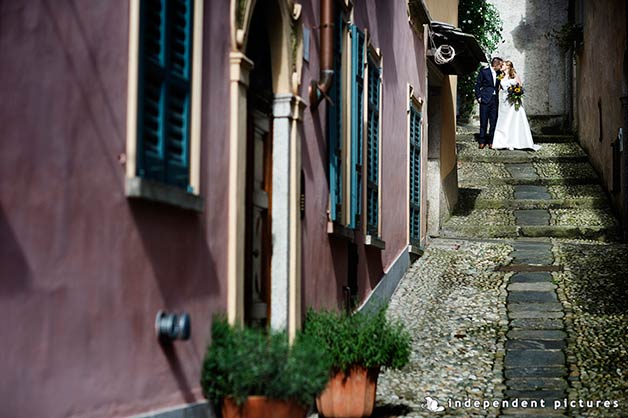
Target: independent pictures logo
x=432, y=405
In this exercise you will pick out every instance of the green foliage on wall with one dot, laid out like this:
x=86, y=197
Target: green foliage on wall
x=480, y=19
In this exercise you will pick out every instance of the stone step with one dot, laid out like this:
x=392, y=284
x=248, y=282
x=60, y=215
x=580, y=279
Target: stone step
x=591, y=203
x=596, y=233
x=533, y=173
x=570, y=194
x=472, y=135
x=568, y=152
x=549, y=139
x=596, y=224
x=527, y=196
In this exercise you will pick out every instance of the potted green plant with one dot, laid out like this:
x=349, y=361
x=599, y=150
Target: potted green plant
x=251, y=373
x=359, y=345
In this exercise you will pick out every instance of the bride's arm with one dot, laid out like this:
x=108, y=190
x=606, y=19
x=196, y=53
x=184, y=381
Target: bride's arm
x=518, y=80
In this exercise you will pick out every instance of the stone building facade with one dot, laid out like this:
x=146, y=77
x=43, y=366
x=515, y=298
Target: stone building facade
x=540, y=62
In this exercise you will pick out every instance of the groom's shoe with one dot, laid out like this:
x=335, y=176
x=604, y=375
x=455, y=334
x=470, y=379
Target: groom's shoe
x=490, y=146
x=482, y=146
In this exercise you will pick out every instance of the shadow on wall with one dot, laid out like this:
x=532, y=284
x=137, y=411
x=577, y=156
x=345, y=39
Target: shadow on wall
x=374, y=265
x=178, y=252
x=340, y=256
x=384, y=12
x=184, y=270
x=16, y=273
x=544, y=64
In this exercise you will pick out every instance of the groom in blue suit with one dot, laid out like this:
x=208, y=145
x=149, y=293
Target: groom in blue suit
x=487, y=95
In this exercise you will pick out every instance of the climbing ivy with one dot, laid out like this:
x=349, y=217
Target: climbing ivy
x=480, y=19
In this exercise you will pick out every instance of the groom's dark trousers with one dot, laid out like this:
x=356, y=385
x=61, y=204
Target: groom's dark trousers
x=488, y=93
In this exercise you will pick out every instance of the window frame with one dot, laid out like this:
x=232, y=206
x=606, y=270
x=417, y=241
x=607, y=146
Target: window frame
x=145, y=188
x=417, y=104
x=373, y=57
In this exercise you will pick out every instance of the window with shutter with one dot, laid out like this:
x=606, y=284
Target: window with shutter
x=334, y=125
x=415, y=174
x=357, y=128
x=164, y=91
x=372, y=147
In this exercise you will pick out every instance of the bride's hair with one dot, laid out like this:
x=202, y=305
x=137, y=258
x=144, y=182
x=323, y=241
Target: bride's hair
x=511, y=69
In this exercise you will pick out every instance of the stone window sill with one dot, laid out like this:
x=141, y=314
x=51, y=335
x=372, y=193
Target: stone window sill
x=374, y=241
x=337, y=230
x=140, y=188
x=414, y=250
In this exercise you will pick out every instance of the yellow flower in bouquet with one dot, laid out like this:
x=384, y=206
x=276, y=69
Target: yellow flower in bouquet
x=515, y=95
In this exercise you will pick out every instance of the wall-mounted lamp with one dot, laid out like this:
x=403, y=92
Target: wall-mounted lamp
x=171, y=326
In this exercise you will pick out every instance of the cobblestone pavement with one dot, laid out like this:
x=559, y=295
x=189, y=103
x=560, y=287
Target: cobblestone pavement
x=520, y=308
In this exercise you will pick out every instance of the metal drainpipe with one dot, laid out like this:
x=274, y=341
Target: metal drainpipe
x=319, y=89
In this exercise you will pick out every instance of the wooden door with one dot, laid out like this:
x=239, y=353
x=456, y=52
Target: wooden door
x=258, y=218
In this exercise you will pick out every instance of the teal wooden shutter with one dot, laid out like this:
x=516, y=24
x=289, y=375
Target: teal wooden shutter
x=372, y=169
x=334, y=126
x=415, y=175
x=164, y=91
x=357, y=137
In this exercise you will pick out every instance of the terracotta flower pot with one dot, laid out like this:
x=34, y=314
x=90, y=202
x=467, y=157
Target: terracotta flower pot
x=262, y=407
x=351, y=395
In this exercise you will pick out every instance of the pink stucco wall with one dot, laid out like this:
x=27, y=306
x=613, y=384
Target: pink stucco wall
x=84, y=270
x=325, y=257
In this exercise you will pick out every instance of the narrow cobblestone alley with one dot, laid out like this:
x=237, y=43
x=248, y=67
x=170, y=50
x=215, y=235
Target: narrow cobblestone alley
x=522, y=298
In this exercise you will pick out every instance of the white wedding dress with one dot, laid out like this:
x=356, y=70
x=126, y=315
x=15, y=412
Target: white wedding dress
x=512, y=130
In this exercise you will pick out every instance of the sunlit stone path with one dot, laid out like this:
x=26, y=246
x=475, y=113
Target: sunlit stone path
x=520, y=308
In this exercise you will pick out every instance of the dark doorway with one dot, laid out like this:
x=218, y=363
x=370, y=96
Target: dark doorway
x=258, y=246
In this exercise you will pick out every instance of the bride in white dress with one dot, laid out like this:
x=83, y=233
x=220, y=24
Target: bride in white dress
x=512, y=130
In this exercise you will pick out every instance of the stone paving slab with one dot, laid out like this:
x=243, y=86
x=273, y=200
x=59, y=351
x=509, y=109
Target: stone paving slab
x=538, y=344
x=532, y=217
x=540, y=358
x=527, y=297
x=533, y=287
x=544, y=307
x=529, y=372
x=537, y=323
x=536, y=383
x=531, y=277
x=534, y=314
x=524, y=171
x=536, y=335
x=526, y=191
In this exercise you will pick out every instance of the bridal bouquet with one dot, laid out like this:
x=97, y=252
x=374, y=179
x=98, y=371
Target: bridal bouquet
x=515, y=95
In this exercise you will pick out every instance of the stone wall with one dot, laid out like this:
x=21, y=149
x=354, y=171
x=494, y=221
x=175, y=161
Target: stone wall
x=541, y=64
x=599, y=77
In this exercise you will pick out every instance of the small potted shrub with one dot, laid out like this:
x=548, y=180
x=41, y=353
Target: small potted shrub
x=250, y=373
x=359, y=345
